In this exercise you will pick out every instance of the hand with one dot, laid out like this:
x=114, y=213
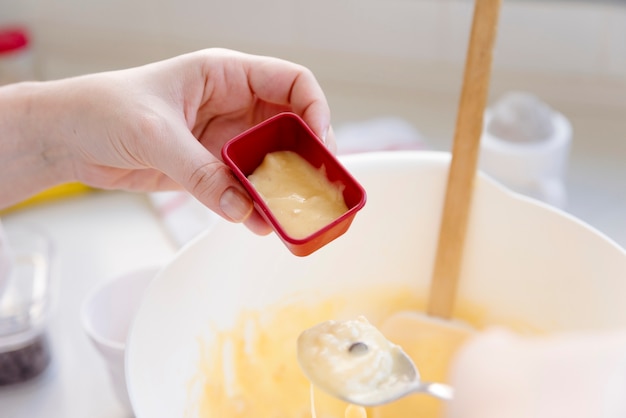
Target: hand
x=162, y=126
x=575, y=375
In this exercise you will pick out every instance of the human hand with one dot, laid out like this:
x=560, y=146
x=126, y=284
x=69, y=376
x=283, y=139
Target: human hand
x=576, y=375
x=162, y=126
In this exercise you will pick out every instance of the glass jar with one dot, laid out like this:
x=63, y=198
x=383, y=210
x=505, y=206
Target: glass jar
x=6, y=260
x=25, y=306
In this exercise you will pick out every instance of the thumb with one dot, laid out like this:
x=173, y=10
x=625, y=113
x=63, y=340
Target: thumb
x=208, y=179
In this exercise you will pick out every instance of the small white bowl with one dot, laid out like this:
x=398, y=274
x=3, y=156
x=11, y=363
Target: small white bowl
x=107, y=314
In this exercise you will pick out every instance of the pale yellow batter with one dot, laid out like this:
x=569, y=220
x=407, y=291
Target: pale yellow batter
x=353, y=411
x=252, y=370
x=348, y=358
x=300, y=196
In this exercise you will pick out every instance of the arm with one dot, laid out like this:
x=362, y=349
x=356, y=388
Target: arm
x=31, y=159
x=156, y=127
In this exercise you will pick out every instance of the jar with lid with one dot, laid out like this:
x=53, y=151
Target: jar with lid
x=25, y=306
x=525, y=146
x=16, y=55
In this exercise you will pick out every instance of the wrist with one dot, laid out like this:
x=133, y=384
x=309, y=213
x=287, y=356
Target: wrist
x=33, y=156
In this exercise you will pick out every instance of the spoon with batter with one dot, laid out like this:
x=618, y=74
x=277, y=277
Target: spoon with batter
x=353, y=361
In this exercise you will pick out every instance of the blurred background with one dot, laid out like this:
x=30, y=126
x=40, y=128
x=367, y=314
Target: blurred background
x=376, y=58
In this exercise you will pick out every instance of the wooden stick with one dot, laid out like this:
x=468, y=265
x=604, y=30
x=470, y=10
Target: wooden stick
x=464, y=161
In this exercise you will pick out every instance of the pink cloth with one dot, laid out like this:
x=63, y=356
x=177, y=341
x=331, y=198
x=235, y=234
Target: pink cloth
x=182, y=216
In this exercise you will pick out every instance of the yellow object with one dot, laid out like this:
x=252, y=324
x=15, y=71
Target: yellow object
x=431, y=343
x=353, y=411
x=300, y=196
x=53, y=193
x=251, y=370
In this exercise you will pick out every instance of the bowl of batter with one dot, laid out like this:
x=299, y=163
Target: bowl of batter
x=215, y=335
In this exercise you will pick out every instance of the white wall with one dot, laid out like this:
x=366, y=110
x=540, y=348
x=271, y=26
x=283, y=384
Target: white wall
x=568, y=51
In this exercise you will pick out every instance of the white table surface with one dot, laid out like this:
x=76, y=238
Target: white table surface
x=95, y=236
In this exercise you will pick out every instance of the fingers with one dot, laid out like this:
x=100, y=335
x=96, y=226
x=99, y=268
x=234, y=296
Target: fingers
x=489, y=368
x=330, y=140
x=502, y=374
x=212, y=183
x=285, y=83
x=257, y=224
x=235, y=84
x=186, y=161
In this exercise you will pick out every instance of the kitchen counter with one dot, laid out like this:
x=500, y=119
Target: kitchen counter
x=95, y=237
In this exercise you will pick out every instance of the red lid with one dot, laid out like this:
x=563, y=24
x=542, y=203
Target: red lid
x=13, y=39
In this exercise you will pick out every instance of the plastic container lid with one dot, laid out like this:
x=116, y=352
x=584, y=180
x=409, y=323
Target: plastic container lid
x=13, y=39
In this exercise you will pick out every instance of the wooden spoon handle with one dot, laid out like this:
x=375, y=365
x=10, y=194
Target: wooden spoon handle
x=469, y=125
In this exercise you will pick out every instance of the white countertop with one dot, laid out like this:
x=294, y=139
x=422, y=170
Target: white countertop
x=95, y=236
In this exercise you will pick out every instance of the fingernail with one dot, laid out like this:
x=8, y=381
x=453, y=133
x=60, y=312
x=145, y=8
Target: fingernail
x=236, y=205
x=325, y=134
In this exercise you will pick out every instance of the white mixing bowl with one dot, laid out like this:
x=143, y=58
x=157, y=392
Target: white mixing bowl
x=523, y=260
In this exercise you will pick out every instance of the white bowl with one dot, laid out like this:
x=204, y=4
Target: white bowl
x=107, y=313
x=524, y=259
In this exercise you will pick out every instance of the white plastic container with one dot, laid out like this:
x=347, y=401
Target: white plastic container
x=525, y=146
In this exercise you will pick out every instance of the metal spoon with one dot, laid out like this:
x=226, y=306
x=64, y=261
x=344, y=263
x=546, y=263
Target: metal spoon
x=404, y=380
x=353, y=361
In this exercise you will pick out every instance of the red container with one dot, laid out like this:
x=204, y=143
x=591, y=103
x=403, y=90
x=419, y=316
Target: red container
x=288, y=132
